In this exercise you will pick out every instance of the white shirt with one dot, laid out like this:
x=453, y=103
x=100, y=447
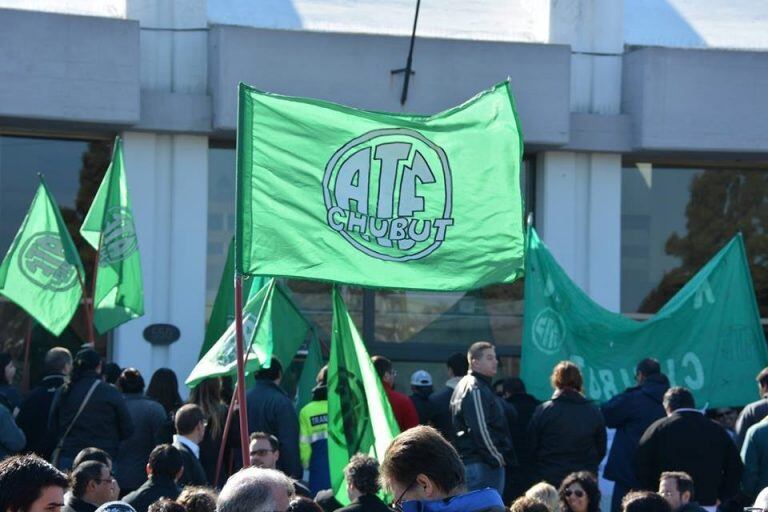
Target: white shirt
x=188, y=443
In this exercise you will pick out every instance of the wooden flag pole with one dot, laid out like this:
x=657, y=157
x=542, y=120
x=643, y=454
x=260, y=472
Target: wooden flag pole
x=27, y=344
x=241, y=370
x=225, y=437
x=88, y=311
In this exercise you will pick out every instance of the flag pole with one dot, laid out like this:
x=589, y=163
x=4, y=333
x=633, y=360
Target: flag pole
x=27, y=343
x=93, y=284
x=240, y=390
x=225, y=437
x=88, y=316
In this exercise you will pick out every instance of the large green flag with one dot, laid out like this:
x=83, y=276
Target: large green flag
x=223, y=312
x=360, y=419
x=42, y=272
x=707, y=338
x=383, y=200
x=269, y=316
x=308, y=379
x=108, y=227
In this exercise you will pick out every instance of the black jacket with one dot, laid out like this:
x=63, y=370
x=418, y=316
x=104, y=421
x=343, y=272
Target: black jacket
x=194, y=474
x=482, y=432
x=566, y=434
x=366, y=503
x=525, y=405
x=631, y=413
x=441, y=401
x=34, y=413
x=424, y=406
x=687, y=441
x=74, y=504
x=104, y=422
x=151, y=491
x=270, y=410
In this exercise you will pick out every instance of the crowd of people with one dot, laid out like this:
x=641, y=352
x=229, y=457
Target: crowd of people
x=92, y=436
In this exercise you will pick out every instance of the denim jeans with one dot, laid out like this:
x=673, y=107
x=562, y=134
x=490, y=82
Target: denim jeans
x=480, y=475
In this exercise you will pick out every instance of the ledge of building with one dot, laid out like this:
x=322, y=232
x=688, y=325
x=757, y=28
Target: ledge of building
x=175, y=112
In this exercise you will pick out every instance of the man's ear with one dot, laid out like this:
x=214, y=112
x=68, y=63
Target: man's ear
x=428, y=487
x=148, y=469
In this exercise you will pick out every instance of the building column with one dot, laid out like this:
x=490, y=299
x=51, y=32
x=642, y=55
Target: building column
x=579, y=194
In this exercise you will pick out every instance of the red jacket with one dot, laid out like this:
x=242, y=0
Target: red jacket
x=405, y=411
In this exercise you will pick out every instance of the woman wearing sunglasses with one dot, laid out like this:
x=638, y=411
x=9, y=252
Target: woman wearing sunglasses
x=579, y=493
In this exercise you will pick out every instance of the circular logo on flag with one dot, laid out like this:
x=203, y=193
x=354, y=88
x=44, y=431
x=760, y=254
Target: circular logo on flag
x=388, y=193
x=42, y=262
x=119, y=238
x=548, y=331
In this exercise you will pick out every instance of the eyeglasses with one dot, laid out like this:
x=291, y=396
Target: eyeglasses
x=261, y=452
x=109, y=479
x=578, y=492
x=397, y=505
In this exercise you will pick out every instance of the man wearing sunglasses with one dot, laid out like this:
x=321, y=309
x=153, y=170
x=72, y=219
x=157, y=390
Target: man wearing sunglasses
x=677, y=488
x=92, y=486
x=264, y=452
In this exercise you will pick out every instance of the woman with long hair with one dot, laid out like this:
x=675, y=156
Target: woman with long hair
x=8, y=392
x=579, y=492
x=164, y=388
x=207, y=396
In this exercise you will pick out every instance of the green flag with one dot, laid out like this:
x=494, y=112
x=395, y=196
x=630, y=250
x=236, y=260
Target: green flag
x=360, y=419
x=223, y=312
x=269, y=315
x=307, y=380
x=42, y=272
x=382, y=200
x=108, y=227
x=707, y=338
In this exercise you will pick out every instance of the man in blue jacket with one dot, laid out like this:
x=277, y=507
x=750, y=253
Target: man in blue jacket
x=630, y=413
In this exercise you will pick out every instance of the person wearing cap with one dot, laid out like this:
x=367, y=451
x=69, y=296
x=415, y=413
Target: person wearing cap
x=104, y=420
x=421, y=388
x=313, y=436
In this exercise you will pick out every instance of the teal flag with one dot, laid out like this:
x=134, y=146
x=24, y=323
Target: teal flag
x=272, y=325
x=312, y=365
x=360, y=419
x=108, y=227
x=223, y=312
x=383, y=200
x=707, y=338
x=42, y=272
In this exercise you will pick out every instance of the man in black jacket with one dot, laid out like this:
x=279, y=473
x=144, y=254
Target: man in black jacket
x=271, y=410
x=630, y=413
x=482, y=433
x=519, y=478
x=755, y=411
x=190, y=425
x=687, y=441
x=92, y=486
x=456, y=367
x=163, y=472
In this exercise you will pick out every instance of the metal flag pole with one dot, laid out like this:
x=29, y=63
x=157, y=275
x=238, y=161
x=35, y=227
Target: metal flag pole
x=408, y=65
x=240, y=390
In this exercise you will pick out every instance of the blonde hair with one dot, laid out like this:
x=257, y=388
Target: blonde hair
x=546, y=494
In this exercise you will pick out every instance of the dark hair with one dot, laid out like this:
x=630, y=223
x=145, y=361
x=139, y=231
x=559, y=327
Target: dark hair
x=648, y=366
x=302, y=504
x=382, y=365
x=678, y=398
x=22, y=480
x=322, y=376
x=274, y=442
x=422, y=449
x=526, y=504
x=762, y=378
x=187, y=418
x=165, y=460
x=274, y=371
x=5, y=359
x=683, y=480
x=166, y=505
x=197, y=499
x=91, y=453
x=112, y=372
x=130, y=381
x=644, y=501
x=83, y=474
x=476, y=350
x=514, y=386
x=207, y=394
x=566, y=375
x=588, y=482
x=56, y=359
x=458, y=364
x=164, y=388
x=363, y=473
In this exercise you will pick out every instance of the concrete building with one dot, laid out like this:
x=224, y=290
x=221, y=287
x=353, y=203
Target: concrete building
x=639, y=116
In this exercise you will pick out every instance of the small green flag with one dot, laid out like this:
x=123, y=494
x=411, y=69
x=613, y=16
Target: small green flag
x=108, y=227
x=269, y=315
x=42, y=271
x=223, y=312
x=382, y=200
x=360, y=419
x=307, y=380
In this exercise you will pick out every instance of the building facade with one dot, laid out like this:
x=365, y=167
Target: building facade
x=645, y=126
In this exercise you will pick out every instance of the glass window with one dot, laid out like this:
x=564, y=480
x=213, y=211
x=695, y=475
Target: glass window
x=675, y=218
x=73, y=170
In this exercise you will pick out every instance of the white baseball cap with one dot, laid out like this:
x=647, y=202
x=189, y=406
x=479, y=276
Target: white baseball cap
x=421, y=378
